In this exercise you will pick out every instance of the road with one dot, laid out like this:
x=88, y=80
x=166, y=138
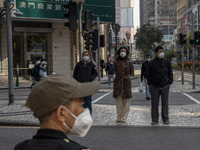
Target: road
x=181, y=134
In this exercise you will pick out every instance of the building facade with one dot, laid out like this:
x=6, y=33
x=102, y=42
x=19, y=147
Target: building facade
x=40, y=34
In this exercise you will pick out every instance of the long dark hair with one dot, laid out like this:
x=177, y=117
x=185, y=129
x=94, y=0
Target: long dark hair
x=117, y=55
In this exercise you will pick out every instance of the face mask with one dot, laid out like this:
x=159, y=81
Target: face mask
x=82, y=123
x=161, y=55
x=86, y=58
x=123, y=54
x=45, y=66
x=149, y=59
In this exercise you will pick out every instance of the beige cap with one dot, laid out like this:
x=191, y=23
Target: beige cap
x=55, y=90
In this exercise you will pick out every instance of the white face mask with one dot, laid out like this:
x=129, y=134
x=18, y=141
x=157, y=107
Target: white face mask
x=162, y=55
x=86, y=58
x=82, y=123
x=123, y=54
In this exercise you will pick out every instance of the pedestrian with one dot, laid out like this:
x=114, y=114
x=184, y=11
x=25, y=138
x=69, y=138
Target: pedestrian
x=102, y=65
x=43, y=71
x=60, y=112
x=110, y=71
x=35, y=75
x=122, y=83
x=160, y=78
x=85, y=71
x=144, y=75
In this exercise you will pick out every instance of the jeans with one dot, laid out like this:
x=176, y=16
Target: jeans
x=147, y=88
x=109, y=78
x=88, y=103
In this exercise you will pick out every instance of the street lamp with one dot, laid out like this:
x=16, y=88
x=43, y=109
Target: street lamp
x=7, y=11
x=128, y=38
x=116, y=29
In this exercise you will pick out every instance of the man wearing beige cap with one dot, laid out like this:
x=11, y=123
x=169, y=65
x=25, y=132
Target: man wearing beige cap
x=57, y=101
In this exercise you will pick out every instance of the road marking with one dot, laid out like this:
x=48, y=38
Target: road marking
x=192, y=98
x=19, y=127
x=98, y=99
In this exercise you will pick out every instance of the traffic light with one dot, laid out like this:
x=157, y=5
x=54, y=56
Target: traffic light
x=87, y=44
x=93, y=37
x=182, y=38
x=72, y=15
x=88, y=20
x=197, y=37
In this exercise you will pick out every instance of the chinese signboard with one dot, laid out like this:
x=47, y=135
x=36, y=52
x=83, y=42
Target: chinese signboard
x=54, y=9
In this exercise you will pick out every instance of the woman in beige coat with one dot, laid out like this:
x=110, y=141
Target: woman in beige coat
x=122, y=84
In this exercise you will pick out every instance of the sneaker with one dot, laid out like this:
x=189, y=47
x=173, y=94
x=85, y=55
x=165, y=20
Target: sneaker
x=148, y=98
x=153, y=123
x=123, y=120
x=118, y=119
x=166, y=122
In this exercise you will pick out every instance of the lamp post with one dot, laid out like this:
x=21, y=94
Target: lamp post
x=7, y=11
x=116, y=29
x=128, y=38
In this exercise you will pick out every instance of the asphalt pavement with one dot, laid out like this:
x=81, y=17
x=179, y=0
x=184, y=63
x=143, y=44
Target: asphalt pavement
x=137, y=133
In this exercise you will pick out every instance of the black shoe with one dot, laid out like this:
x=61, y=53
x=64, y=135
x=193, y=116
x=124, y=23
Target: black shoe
x=153, y=123
x=148, y=98
x=166, y=122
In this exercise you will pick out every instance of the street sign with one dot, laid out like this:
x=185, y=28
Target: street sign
x=53, y=9
x=105, y=9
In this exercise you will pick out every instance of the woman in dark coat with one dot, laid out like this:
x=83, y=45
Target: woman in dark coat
x=122, y=83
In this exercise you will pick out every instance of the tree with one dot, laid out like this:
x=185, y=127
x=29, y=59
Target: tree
x=146, y=37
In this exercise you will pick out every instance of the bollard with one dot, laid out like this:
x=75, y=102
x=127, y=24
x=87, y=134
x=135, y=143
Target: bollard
x=17, y=78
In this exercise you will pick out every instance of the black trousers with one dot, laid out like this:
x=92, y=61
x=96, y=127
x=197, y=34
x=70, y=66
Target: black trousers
x=155, y=96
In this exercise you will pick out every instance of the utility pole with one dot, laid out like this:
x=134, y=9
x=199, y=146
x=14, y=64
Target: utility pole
x=80, y=30
x=10, y=52
x=182, y=53
x=193, y=53
x=98, y=27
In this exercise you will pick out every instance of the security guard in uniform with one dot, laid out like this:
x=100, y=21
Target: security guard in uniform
x=57, y=101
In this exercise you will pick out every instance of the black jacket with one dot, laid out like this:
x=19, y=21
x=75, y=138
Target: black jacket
x=145, y=70
x=110, y=69
x=35, y=73
x=85, y=72
x=50, y=140
x=160, y=73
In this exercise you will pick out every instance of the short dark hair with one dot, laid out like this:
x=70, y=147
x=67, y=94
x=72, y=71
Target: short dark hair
x=85, y=52
x=158, y=47
x=148, y=55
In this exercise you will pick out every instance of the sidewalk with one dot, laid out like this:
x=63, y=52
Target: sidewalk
x=103, y=115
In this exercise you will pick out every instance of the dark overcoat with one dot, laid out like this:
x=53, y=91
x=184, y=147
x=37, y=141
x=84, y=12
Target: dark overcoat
x=122, y=81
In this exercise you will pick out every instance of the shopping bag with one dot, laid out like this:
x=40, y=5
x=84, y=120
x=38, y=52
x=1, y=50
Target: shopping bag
x=141, y=87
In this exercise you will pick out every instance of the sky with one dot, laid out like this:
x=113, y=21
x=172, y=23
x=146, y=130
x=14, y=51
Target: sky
x=136, y=14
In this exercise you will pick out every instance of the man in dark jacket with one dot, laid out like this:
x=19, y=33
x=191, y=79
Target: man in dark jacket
x=35, y=73
x=144, y=74
x=160, y=78
x=60, y=111
x=110, y=71
x=85, y=71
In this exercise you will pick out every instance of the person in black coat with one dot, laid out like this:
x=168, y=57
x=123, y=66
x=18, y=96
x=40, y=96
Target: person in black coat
x=160, y=77
x=144, y=74
x=85, y=71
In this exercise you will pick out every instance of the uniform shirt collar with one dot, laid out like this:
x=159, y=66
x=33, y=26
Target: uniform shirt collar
x=50, y=133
